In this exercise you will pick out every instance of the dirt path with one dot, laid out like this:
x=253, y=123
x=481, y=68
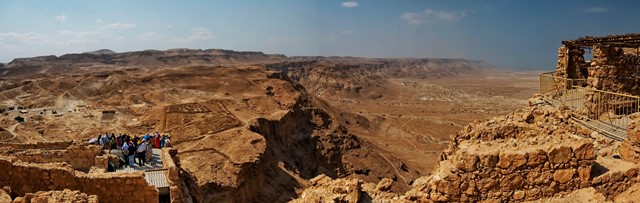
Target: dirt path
x=12, y=131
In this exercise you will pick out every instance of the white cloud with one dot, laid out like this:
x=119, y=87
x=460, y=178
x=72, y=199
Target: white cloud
x=150, y=36
x=119, y=26
x=413, y=18
x=196, y=34
x=451, y=16
x=12, y=48
x=31, y=38
x=168, y=26
x=98, y=20
x=82, y=34
x=64, y=38
x=447, y=15
x=595, y=10
x=199, y=33
x=13, y=44
x=350, y=4
x=428, y=14
x=62, y=18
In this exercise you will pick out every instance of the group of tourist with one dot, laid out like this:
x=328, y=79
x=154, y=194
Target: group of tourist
x=134, y=147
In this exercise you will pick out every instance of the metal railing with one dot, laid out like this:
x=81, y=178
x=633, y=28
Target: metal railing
x=604, y=107
x=563, y=90
x=609, y=107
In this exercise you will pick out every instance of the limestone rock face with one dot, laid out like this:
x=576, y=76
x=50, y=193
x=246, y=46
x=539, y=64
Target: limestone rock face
x=4, y=197
x=325, y=189
x=384, y=184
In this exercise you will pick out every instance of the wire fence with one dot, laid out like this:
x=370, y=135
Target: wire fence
x=609, y=108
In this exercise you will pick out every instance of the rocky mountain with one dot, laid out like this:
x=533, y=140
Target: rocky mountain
x=101, y=51
x=367, y=77
x=144, y=59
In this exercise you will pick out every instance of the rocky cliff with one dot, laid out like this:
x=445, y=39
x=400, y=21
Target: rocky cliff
x=535, y=153
x=353, y=77
x=148, y=58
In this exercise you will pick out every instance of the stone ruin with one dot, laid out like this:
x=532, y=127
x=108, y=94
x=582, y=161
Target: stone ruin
x=57, y=196
x=614, y=67
x=44, y=171
x=630, y=149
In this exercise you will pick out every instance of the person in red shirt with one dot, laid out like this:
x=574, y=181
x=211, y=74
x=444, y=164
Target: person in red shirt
x=156, y=141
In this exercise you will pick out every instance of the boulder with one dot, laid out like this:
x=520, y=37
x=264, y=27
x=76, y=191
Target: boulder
x=560, y=155
x=536, y=158
x=512, y=161
x=512, y=182
x=563, y=175
x=384, y=184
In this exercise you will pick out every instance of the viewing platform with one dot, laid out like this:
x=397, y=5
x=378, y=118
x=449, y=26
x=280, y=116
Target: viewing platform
x=154, y=172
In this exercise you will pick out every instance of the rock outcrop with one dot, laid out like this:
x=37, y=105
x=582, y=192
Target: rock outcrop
x=63, y=196
x=531, y=154
x=54, y=65
x=353, y=77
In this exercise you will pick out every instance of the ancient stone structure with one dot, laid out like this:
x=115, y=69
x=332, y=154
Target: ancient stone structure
x=80, y=157
x=630, y=149
x=76, y=167
x=177, y=190
x=63, y=196
x=38, y=145
x=614, y=68
x=502, y=170
x=614, y=65
x=26, y=178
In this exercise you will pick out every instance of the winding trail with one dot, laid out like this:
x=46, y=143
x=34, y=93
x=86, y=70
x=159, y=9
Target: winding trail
x=391, y=163
x=12, y=131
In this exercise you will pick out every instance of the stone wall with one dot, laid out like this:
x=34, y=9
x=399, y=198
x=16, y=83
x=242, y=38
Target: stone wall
x=38, y=145
x=630, y=148
x=617, y=180
x=63, y=196
x=81, y=157
x=177, y=190
x=563, y=62
x=571, y=63
x=613, y=70
x=506, y=173
x=26, y=178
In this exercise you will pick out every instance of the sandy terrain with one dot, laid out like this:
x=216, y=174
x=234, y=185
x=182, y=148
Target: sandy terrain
x=415, y=122
x=262, y=131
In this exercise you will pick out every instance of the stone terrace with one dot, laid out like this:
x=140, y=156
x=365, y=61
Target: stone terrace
x=513, y=169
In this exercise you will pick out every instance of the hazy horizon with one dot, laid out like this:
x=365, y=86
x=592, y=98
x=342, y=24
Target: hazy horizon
x=507, y=34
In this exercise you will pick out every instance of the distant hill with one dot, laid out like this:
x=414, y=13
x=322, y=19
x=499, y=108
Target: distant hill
x=101, y=51
x=142, y=59
x=302, y=69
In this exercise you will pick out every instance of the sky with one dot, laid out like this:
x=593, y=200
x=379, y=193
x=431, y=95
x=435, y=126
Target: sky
x=513, y=34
